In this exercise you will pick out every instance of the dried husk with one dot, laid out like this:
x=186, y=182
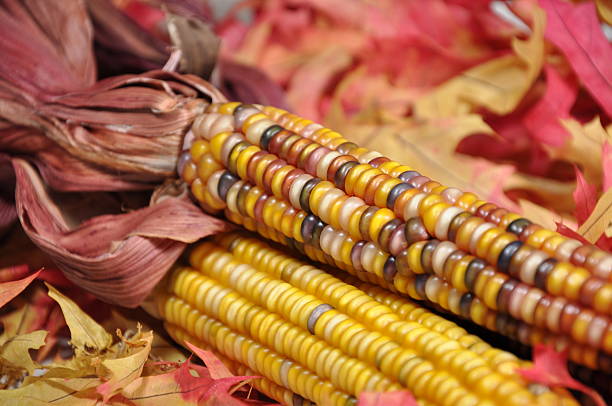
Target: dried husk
x=120, y=257
x=66, y=132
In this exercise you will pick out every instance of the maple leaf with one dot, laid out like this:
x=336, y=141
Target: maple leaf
x=8, y=290
x=180, y=387
x=575, y=30
x=498, y=85
x=599, y=223
x=585, y=196
x=584, y=147
x=216, y=368
x=126, y=368
x=14, y=351
x=550, y=368
x=87, y=336
x=542, y=120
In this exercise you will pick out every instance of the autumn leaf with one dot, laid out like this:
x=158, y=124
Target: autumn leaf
x=215, y=367
x=14, y=351
x=57, y=391
x=585, y=196
x=8, y=290
x=550, y=368
x=542, y=120
x=584, y=147
x=86, y=335
x=599, y=221
x=575, y=30
x=125, y=369
x=498, y=85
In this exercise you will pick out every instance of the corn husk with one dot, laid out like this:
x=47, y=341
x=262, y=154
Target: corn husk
x=117, y=139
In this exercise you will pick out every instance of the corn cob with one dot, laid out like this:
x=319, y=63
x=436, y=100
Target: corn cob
x=326, y=340
x=387, y=227
x=439, y=293
x=264, y=385
x=553, y=243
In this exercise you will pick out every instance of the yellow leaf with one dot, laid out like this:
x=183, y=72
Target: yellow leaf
x=552, y=193
x=126, y=369
x=583, y=147
x=499, y=84
x=87, y=335
x=600, y=220
x=14, y=351
x=55, y=391
x=604, y=7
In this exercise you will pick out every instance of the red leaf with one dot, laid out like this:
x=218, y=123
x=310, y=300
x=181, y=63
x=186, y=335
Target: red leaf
x=575, y=30
x=8, y=290
x=585, y=197
x=606, y=162
x=204, y=387
x=543, y=118
x=397, y=398
x=119, y=258
x=550, y=368
x=568, y=232
x=216, y=368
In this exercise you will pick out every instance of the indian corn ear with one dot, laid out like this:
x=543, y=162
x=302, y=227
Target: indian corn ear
x=314, y=337
x=307, y=186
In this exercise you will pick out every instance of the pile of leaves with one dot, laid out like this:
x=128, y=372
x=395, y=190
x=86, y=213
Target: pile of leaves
x=511, y=100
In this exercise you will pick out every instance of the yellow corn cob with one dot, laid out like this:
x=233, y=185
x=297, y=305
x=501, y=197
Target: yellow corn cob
x=448, y=298
x=264, y=385
x=235, y=297
x=300, y=183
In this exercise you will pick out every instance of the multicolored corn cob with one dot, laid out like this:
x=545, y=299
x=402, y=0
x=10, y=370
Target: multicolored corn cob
x=368, y=214
x=327, y=341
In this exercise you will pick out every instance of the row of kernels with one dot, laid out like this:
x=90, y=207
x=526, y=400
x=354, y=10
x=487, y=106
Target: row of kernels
x=337, y=329
x=471, y=308
x=500, y=243
x=499, y=292
x=264, y=385
x=269, y=329
x=503, y=361
x=490, y=212
x=321, y=198
x=349, y=299
x=261, y=359
x=600, y=264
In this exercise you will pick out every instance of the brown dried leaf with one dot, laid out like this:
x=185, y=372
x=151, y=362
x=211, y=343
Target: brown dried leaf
x=197, y=42
x=119, y=258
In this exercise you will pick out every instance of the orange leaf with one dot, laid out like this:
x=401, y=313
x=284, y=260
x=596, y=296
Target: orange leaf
x=8, y=290
x=550, y=368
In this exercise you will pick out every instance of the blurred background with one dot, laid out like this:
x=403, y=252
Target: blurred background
x=508, y=99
